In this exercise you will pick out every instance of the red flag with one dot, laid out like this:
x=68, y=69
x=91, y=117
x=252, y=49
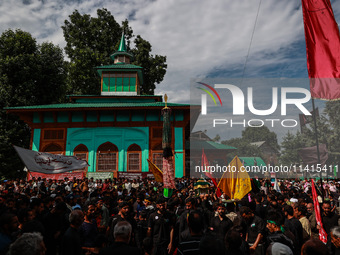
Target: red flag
x=323, y=49
x=205, y=164
x=322, y=232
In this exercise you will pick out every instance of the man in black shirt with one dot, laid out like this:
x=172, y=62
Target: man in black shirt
x=260, y=209
x=123, y=215
x=293, y=225
x=122, y=234
x=255, y=230
x=160, y=228
x=329, y=220
x=274, y=225
x=220, y=224
x=71, y=242
x=191, y=245
x=183, y=219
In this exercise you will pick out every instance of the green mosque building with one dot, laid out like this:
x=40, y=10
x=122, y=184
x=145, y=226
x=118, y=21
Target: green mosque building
x=116, y=131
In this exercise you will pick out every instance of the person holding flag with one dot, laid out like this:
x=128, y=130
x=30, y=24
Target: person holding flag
x=205, y=165
x=235, y=184
x=329, y=220
x=319, y=220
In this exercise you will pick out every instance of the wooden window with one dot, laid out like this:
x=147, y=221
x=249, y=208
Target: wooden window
x=157, y=159
x=53, y=149
x=134, y=158
x=81, y=152
x=54, y=134
x=107, y=157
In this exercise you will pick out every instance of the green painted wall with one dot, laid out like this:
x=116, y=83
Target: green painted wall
x=36, y=139
x=121, y=137
x=179, y=152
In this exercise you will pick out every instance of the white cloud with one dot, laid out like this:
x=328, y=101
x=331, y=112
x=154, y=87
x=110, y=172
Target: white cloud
x=198, y=37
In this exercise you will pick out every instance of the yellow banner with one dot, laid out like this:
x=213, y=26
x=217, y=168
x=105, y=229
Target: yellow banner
x=157, y=173
x=236, y=181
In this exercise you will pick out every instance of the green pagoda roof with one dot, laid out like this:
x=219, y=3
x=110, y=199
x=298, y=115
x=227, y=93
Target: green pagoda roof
x=119, y=66
x=252, y=161
x=207, y=145
x=97, y=105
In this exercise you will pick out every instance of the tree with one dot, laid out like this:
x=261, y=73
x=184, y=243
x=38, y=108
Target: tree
x=30, y=74
x=91, y=41
x=244, y=148
x=217, y=138
x=258, y=134
x=328, y=133
x=290, y=145
x=250, y=135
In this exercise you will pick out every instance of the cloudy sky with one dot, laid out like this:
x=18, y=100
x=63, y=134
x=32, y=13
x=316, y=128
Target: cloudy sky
x=200, y=38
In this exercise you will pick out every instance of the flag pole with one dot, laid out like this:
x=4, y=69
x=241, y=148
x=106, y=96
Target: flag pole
x=317, y=144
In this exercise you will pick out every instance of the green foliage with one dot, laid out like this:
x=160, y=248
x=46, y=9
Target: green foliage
x=328, y=131
x=251, y=135
x=257, y=134
x=290, y=145
x=91, y=41
x=244, y=148
x=217, y=138
x=30, y=74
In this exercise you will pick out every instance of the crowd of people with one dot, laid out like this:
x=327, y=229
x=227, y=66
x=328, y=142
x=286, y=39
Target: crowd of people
x=122, y=216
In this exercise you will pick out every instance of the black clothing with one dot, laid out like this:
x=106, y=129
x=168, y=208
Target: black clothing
x=294, y=226
x=120, y=248
x=190, y=246
x=183, y=224
x=88, y=232
x=141, y=232
x=71, y=243
x=330, y=221
x=161, y=225
x=114, y=222
x=279, y=237
x=221, y=227
x=255, y=227
x=260, y=211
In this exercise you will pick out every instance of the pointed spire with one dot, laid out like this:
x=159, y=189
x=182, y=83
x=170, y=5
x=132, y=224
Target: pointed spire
x=122, y=55
x=122, y=46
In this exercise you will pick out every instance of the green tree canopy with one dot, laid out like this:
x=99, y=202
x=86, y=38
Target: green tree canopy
x=30, y=74
x=91, y=41
x=251, y=135
x=257, y=134
x=244, y=148
x=328, y=133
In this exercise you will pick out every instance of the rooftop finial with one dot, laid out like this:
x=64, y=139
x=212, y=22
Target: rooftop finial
x=166, y=101
x=122, y=46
